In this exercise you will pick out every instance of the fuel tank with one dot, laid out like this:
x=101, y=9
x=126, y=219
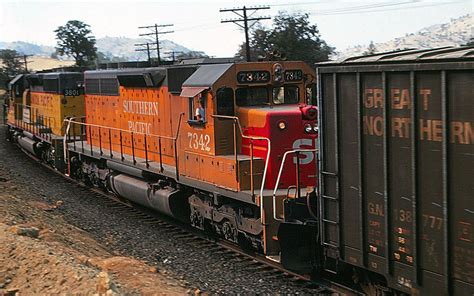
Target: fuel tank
x=166, y=200
x=27, y=144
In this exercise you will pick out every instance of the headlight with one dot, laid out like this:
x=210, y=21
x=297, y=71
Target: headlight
x=308, y=128
x=282, y=125
x=315, y=128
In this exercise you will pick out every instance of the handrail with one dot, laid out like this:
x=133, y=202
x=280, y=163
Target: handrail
x=252, y=138
x=236, y=120
x=18, y=108
x=174, y=139
x=279, y=176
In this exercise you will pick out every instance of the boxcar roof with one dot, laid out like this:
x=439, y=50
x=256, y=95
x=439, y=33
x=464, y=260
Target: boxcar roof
x=443, y=54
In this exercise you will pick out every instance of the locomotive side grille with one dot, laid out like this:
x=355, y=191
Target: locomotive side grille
x=104, y=86
x=92, y=86
x=51, y=85
x=223, y=144
x=109, y=86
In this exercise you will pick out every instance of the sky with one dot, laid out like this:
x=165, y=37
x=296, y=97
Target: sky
x=197, y=24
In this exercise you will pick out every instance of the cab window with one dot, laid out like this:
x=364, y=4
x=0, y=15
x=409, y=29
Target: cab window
x=251, y=96
x=197, y=109
x=286, y=95
x=225, y=101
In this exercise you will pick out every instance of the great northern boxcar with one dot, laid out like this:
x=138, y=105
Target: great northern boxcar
x=397, y=168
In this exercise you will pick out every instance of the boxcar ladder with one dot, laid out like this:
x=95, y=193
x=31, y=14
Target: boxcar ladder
x=330, y=220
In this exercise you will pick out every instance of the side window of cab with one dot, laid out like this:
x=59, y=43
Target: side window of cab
x=197, y=109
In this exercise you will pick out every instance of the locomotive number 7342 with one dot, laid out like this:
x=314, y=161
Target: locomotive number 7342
x=199, y=141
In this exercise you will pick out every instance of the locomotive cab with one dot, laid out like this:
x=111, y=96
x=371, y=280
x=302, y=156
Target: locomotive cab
x=258, y=136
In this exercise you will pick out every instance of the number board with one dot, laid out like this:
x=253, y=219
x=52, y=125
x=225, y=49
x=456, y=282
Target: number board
x=293, y=75
x=72, y=92
x=253, y=77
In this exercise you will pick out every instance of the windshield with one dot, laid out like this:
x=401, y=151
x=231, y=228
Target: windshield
x=285, y=95
x=252, y=96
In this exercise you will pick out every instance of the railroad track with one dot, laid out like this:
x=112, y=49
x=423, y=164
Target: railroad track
x=261, y=265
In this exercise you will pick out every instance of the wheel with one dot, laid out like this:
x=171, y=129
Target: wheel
x=229, y=231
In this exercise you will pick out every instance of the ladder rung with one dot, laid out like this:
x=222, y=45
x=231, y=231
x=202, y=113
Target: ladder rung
x=330, y=270
x=329, y=174
x=330, y=245
x=330, y=197
x=331, y=221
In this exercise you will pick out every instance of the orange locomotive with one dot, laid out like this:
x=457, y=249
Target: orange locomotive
x=203, y=143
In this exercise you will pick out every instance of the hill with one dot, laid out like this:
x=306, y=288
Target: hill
x=118, y=48
x=123, y=47
x=28, y=48
x=457, y=32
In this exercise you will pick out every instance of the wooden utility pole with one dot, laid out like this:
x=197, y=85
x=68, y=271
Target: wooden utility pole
x=143, y=49
x=156, y=32
x=245, y=18
x=173, y=54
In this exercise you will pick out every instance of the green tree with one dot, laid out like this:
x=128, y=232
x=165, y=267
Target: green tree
x=10, y=66
x=75, y=40
x=292, y=37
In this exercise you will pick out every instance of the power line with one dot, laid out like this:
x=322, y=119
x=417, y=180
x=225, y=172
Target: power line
x=242, y=13
x=156, y=32
x=374, y=9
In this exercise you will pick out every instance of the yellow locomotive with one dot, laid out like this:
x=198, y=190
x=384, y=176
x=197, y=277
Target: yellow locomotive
x=38, y=105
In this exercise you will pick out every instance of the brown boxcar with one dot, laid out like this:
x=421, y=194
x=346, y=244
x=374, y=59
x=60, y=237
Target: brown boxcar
x=397, y=167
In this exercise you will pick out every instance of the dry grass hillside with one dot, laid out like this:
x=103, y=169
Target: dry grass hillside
x=37, y=63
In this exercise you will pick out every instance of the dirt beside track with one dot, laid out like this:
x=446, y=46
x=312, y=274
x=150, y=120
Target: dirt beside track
x=40, y=253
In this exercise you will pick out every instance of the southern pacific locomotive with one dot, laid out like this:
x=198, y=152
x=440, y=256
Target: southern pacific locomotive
x=231, y=148
x=201, y=143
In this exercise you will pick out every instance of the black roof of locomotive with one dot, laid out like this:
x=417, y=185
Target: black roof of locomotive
x=207, y=75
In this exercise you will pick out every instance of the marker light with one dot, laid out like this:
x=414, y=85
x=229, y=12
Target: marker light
x=282, y=125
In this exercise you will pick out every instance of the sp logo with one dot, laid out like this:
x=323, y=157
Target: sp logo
x=305, y=157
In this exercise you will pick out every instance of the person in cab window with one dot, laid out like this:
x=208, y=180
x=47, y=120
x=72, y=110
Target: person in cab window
x=199, y=114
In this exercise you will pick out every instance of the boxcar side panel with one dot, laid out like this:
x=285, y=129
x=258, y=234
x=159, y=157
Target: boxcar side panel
x=352, y=238
x=460, y=176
